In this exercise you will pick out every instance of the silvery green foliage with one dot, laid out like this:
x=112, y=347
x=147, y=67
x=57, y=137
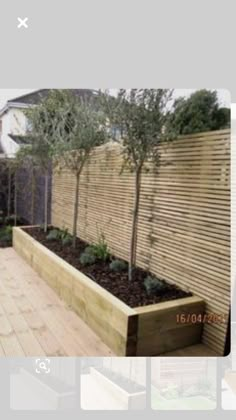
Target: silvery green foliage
x=82, y=127
x=60, y=235
x=87, y=258
x=54, y=235
x=141, y=116
x=154, y=285
x=118, y=266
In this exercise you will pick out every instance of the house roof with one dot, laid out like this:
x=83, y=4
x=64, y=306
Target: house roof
x=32, y=98
x=35, y=97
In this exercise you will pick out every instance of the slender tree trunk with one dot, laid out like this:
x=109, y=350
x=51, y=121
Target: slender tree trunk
x=133, y=242
x=32, y=195
x=76, y=208
x=15, y=199
x=46, y=203
x=9, y=193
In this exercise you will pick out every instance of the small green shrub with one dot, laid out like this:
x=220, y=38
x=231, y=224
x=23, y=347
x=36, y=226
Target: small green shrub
x=66, y=240
x=54, y=235
x=65, y=237
x=6, y=234
x=8, y=229
x=154, y=285
x=90, y=250
x=101, y=250
x=10, y=220
x=60, y=235
x=87, y=259
x=118, y=265
x=95, y=252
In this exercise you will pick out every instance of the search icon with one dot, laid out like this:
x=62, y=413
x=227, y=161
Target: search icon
x=42, y=366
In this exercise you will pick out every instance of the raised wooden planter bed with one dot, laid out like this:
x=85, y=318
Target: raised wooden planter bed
x=135, y=400
x=144, y=331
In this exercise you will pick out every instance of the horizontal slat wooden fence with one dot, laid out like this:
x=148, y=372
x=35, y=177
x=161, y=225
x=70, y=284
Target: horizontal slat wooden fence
x=184, y=219
x=233, y=222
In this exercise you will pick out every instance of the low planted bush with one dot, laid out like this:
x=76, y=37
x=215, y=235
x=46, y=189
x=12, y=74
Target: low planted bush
x=154, y=285
x=87, y=258
x=118, y=266
x=6, y=234
x=54, y=235
x=100, y=249
x=95, y=252
x=11, y=220
x=66, y=238
x=60, y=235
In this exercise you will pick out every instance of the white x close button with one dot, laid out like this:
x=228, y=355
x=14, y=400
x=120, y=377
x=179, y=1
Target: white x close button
x=22, y=22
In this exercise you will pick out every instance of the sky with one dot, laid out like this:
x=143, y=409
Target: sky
x=6, y=94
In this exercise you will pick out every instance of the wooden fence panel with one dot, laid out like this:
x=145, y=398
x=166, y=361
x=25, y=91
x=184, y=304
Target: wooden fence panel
x=184, y=219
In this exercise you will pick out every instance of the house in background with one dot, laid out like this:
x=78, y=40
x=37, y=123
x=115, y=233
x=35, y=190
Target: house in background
x=13, y=122
x=13, y=129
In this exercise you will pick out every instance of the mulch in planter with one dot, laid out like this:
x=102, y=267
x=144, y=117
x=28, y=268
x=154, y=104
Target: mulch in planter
x=132, y=293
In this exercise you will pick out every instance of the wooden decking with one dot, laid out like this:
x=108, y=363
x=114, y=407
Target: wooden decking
x=34, y=321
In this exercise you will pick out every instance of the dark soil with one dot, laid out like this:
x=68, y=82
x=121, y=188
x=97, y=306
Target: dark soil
x=126, y=384
x=132, y=293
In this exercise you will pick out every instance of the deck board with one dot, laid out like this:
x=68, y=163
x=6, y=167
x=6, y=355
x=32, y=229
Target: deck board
x=34, y=321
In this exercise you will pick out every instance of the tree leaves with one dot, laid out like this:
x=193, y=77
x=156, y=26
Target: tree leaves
x=198, y=113
x=141, y=116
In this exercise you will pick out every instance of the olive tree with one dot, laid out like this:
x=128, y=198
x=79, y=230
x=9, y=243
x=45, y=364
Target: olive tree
x=43, y=120
x=82, y=127
x=141, y=115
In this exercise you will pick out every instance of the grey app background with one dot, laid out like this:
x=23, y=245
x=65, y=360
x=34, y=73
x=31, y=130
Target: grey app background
x=119, y=43
x=111, y=43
